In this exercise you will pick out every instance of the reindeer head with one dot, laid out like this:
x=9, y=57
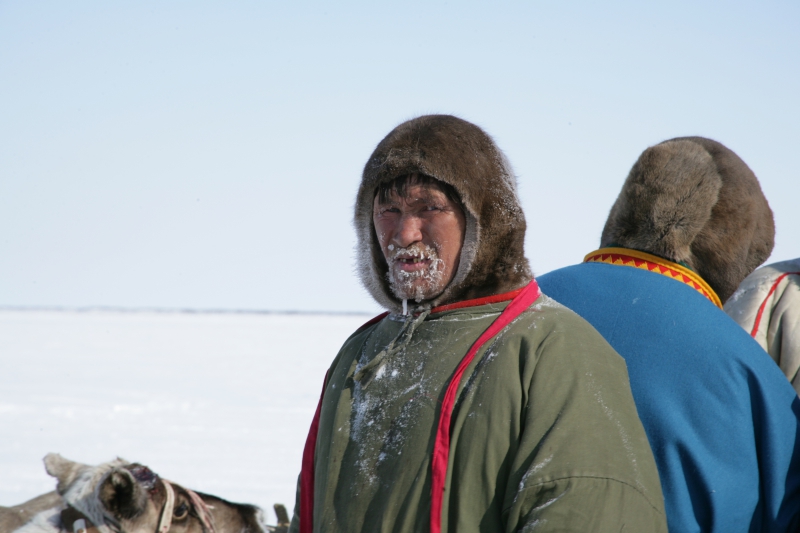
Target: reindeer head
x=122, y=497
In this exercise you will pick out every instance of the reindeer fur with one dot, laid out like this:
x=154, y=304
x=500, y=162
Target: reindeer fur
x=693, y=200
x=78, y=485
x=462, y=155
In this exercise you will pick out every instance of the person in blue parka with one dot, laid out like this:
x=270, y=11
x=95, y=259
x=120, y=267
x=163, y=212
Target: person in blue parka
x=688, y=226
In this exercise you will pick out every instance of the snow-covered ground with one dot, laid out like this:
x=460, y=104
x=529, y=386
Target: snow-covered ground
x=220, y=403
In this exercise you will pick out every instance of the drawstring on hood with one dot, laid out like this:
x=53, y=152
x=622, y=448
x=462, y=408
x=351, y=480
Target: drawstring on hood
x=368, y=372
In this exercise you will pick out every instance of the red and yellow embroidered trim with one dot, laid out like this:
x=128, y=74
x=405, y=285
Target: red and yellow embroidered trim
x=645, y=261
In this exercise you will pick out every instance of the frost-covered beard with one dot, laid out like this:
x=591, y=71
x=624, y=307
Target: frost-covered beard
x=418, y=285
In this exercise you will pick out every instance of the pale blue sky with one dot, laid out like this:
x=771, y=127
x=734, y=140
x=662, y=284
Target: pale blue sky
x=206, y=154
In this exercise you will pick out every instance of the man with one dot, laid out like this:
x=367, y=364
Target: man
x=690, y=223
x=475, y=403
x=767, y=306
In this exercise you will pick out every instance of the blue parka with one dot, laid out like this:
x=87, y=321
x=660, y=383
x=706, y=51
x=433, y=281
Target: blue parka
x=721, y=418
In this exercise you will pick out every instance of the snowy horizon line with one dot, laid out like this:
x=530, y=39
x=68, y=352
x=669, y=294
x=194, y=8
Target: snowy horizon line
x=171, y=310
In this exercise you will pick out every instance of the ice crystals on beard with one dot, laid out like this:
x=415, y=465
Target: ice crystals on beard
x=402, y=283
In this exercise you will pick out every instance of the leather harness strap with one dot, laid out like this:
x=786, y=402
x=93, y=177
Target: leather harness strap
x=165, y=522
x=203, y=511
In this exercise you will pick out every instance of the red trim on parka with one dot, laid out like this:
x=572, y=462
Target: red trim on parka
x=497, y=298
x=764, y=303
x=521, y=299
x=441, y=446
x=307, y=469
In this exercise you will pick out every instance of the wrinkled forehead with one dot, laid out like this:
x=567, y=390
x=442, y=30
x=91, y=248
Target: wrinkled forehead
x=415, y=187
x=413, y=195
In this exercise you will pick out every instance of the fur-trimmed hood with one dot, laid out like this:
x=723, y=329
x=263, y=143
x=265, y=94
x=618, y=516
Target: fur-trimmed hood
x=692, y=200
x=462, y=155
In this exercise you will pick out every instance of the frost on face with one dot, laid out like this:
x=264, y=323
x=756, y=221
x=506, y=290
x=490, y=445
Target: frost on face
x=420, y=284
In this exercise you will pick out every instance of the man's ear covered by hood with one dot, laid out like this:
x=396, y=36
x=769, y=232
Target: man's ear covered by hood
x=692, y=200
x=462, y=155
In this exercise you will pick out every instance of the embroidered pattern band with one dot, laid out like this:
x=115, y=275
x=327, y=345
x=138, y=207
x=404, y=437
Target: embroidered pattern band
x=645, y=261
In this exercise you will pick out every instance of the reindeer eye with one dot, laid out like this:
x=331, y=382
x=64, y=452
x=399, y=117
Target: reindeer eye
x=181, y=511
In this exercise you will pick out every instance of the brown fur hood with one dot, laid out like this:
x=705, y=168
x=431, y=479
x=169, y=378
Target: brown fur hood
x=464, y=156
x=693, y=200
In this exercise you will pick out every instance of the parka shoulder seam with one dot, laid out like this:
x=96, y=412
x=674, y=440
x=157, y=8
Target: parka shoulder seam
x=636, y=489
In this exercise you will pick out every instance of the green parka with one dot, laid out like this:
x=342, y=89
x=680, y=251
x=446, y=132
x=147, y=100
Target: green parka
x=544, y=434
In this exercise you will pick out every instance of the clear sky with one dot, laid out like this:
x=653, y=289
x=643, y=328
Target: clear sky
x=199, y=154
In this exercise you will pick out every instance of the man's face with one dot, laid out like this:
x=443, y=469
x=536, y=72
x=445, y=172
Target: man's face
x=421, y=235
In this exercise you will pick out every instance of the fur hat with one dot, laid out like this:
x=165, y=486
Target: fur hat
x=693, y=200
x=462, y=155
